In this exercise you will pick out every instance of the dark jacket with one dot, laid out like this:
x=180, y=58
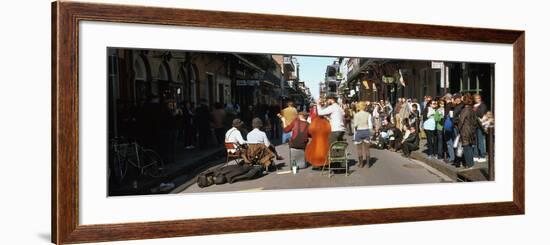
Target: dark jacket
x=457, y=109
x=414, y=120
x=467, y=125
x=480, y=110
x=413, y=139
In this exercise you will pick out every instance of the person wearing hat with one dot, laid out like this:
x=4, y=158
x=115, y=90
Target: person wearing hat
x=257, y=136
x=233, y=135
x=336, y=115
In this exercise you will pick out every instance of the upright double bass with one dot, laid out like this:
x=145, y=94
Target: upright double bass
x=317, y=149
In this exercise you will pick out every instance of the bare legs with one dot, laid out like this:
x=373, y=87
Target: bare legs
x=363, y=153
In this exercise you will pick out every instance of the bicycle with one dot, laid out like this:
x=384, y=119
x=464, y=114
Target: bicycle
x=125, y=153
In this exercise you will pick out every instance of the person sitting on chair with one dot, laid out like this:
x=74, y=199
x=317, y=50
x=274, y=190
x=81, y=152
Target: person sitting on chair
x=233, y=135
x=411, y=142
x=257, y=136
x=299, y=139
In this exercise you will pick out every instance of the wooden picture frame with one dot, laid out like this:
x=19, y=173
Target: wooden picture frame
x=65, y=121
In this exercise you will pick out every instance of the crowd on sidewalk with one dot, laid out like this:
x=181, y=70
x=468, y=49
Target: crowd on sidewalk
x=455, y=126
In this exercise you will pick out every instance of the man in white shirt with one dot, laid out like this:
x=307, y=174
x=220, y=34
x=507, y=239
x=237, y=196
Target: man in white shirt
x=336, y=115
x=233, y=135
x=257, y=136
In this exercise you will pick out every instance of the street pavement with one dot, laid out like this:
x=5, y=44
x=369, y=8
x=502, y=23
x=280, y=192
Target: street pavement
x=387, y=168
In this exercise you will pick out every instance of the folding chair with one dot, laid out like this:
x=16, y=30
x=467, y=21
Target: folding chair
x=233, y=151
x=337, y=153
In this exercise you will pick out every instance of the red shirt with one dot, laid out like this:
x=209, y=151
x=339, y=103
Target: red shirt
x=297, y=126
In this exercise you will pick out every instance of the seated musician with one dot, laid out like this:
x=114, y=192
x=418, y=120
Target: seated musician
x=299, y=138
x=257, y=136
x=233, y=135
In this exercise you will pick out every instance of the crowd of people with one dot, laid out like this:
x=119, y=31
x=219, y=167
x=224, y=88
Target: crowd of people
x=169, y=127
x=455, y=126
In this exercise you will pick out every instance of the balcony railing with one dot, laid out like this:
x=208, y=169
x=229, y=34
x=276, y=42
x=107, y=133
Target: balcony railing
x=289, y=63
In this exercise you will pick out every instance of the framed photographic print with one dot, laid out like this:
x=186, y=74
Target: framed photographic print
x=175, y=122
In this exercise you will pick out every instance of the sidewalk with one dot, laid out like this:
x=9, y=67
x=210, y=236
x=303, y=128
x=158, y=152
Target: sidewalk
x=187, y=163
x=478, y=173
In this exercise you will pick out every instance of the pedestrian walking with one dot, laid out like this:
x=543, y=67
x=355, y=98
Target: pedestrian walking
x=362, y=123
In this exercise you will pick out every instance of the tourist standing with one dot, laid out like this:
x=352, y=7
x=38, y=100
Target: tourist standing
x=467, y=126
x=429, y=126
x=480, y=110
x=449, y=129
x=439, y=118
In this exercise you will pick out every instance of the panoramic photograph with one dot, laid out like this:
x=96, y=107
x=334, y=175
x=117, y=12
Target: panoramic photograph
x=202, y=121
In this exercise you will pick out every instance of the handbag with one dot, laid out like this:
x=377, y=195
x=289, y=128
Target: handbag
x=459, y=150
x=457, y=140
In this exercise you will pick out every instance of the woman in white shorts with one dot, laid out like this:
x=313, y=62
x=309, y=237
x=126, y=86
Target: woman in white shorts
x=362, y=122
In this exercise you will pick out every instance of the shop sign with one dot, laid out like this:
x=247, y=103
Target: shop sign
x=248, y=82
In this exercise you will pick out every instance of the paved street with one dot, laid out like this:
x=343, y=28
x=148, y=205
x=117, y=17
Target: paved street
x=387, y=168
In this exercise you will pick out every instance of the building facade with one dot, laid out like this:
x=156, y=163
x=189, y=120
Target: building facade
x=137, y=76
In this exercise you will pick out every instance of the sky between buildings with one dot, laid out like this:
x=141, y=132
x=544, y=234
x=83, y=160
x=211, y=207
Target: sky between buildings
x=312, y=71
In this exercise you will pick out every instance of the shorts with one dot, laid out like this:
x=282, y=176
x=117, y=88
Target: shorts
x=361, y=135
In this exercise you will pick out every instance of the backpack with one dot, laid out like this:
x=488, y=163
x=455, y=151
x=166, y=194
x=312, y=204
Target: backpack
x=448, y=124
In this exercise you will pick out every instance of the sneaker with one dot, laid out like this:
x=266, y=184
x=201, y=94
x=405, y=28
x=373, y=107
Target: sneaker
x=476, y=159
x=483, y=159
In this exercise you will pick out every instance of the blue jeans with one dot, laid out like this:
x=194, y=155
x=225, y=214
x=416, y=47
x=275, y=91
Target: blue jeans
x=286, y=137
x=432, y=141
x=480, y=146
x=468, y=155
x=449, y=139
